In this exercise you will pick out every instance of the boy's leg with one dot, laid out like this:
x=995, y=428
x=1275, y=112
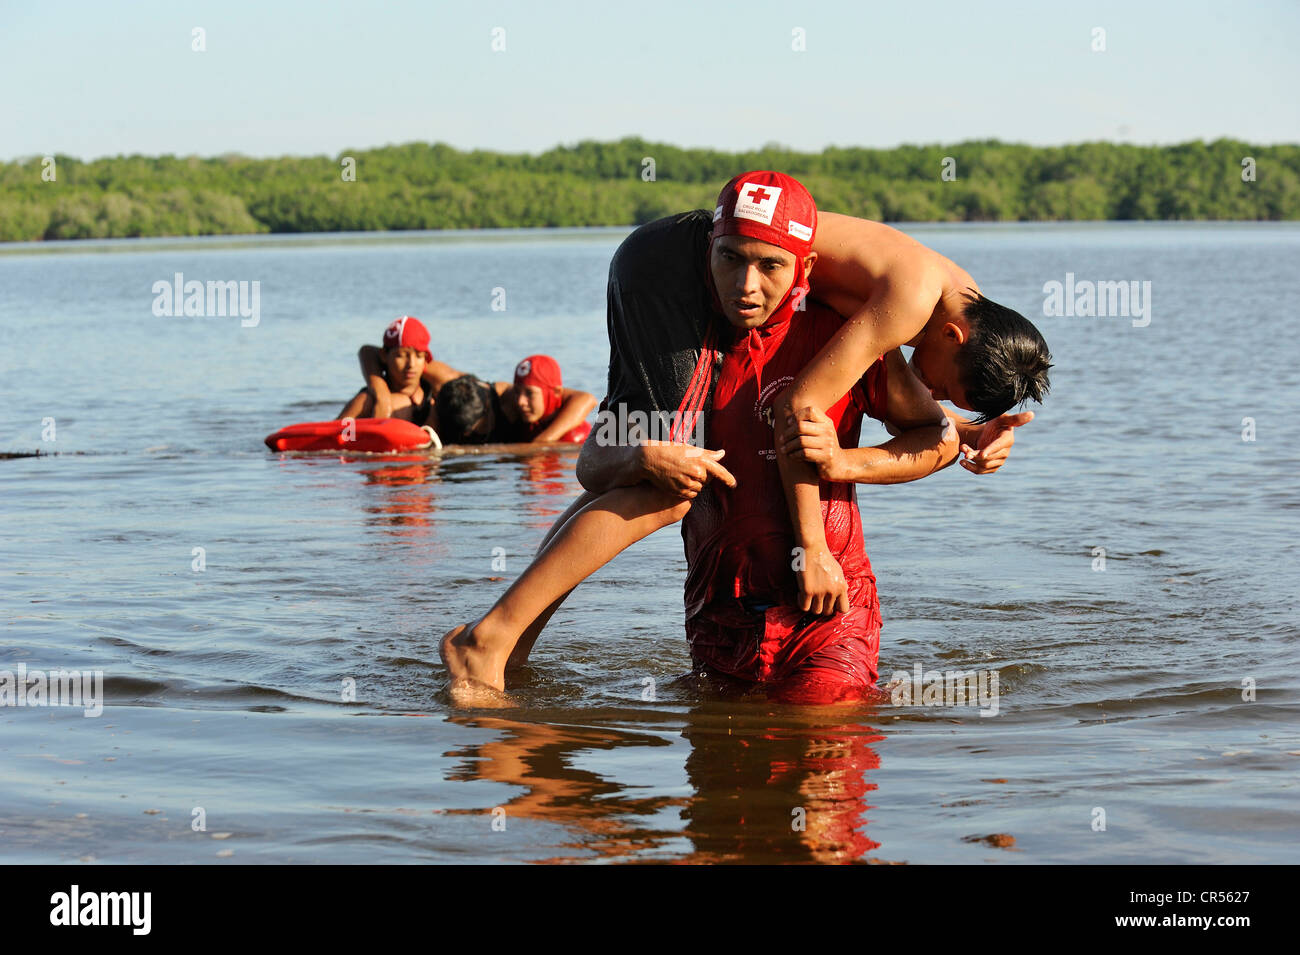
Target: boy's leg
x=596, y=532
x=519, y=656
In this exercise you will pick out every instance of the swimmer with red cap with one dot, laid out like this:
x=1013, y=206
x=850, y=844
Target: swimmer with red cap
x=748, y=616
x=534, y=408
x=541, y=399
x=406, y=357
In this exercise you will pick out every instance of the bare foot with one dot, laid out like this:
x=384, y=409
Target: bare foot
x=477, y=677
x=472, y=694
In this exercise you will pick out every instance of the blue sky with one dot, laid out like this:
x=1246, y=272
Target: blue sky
x=299, y=78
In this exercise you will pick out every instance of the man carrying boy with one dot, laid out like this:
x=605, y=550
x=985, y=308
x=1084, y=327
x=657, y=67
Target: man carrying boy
x=743, y=613
x=664, y=319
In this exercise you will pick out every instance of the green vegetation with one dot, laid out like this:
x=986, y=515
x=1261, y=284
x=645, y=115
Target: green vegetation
x=420, y=186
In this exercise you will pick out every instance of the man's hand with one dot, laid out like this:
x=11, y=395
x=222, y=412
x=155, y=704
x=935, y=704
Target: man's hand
x=995, y=441
x=821, y=581
x=682, y=469
x=810, y=436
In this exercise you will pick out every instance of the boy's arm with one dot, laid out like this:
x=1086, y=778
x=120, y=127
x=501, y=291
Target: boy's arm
x=987, y=445
x=926, y=440
x=372, y=372
x=820, y=578
x=361, y=406
x=577, y=405
x=895, y=313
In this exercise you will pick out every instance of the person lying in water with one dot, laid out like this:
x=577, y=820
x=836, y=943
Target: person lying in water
x=547, y=410
x=534, y=408
x=472, y=411
x=406, y=357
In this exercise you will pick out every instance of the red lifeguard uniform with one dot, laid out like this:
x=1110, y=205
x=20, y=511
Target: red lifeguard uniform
x=742, y=613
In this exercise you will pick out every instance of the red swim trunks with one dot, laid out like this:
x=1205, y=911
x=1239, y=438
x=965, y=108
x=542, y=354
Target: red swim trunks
x=799, y=657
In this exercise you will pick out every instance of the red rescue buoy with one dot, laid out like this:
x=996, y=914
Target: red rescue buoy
x=373, y=435
x=577, y=435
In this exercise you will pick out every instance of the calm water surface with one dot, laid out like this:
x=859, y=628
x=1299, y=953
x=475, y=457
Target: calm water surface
x=1121, y=689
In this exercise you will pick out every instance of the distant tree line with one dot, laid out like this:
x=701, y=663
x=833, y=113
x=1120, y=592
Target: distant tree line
x=422, y=186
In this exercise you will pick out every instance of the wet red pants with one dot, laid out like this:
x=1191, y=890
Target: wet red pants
x=798, y=656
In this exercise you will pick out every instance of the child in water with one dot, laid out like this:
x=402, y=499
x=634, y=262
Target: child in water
x=547, y=410
x=534, y=408
x=406, y=359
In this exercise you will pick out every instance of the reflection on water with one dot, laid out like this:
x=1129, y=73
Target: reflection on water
x=794, y=792
x=754, y=792
x=540, y=759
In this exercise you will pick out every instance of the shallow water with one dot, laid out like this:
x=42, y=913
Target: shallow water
x=1120, y=689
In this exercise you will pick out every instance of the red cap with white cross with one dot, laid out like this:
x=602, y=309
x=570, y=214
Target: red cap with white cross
x=768, y=206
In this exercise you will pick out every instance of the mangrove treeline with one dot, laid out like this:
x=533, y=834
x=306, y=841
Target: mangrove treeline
x=421, y=186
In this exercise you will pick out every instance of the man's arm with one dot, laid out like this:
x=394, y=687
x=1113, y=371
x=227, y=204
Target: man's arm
x=896, y=311
x=986, y=446
x=577, y=405
x=822, y=588
x=438, y=373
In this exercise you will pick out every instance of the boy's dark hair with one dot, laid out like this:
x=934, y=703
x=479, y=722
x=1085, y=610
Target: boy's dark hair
x=463, y=404
x=1004, y=361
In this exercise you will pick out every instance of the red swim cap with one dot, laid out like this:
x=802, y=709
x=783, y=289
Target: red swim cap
x=408, y=332
x=544, y=372
x=768, y=206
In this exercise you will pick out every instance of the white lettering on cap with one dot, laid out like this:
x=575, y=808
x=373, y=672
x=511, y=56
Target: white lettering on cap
x=757, y=203
x=800, y=231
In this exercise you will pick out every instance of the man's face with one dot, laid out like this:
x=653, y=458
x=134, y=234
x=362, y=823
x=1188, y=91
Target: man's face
x=751, y=277
x=531, y=402
x=404, y=367
x=934, y=362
